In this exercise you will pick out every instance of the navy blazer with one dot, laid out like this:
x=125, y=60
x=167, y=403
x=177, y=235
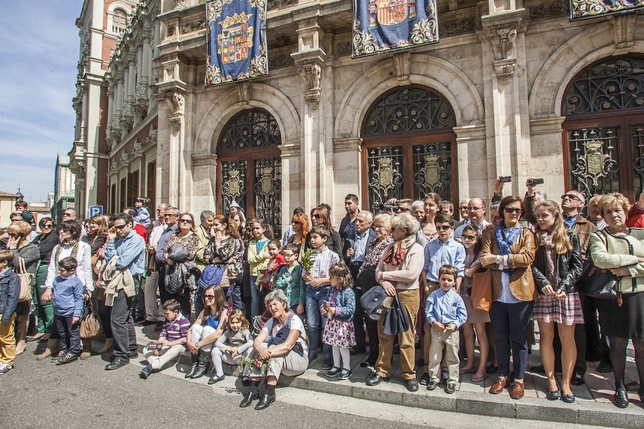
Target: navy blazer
x=348, y=244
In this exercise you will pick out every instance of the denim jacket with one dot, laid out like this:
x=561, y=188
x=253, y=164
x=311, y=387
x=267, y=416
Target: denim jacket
x=344, y=303
x=9, y=294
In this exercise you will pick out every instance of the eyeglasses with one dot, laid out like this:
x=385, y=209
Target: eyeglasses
x=474, y=209
x=47, y=226
x=316, y=216
x=209, y=297
x=443, y=228
x=570, y=196
x=185, y=221
x=512, y=210
x=169, y=215
x=120, y=227
x=469, y=237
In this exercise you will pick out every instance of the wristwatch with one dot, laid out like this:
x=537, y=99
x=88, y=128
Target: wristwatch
x=197, y=344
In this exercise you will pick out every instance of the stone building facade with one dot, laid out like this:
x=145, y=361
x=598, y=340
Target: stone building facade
x=512, y=88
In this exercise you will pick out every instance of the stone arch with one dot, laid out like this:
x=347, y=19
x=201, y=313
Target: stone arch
x=229, y=104
x=587, y=47
x=431, y=72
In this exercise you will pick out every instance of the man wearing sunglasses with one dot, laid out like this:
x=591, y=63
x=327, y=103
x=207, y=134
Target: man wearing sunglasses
x=129, y=247
x=442, y=251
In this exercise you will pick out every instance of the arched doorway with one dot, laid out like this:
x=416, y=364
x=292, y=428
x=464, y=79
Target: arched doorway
x=408, y=147
x=604, y=128
x=251, y=168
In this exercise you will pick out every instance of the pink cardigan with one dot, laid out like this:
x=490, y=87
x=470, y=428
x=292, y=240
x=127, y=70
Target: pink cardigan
x=406, y=276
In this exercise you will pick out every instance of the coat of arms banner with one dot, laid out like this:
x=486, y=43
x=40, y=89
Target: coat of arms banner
x=236, y=40
x=384, y=25
x=590, y=8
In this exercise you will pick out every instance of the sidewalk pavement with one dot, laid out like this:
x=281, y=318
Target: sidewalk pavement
x=593, y=405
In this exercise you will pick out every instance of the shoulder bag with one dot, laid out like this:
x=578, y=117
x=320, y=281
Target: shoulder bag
x=90, y=325
x=598, y=283
x=25, y=282
x=482, y=290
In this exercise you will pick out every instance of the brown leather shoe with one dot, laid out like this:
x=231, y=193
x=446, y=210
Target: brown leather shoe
x=498, y=386
x=517, y=390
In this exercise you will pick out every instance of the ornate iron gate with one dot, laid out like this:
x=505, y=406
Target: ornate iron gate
x=251, y=167
x=408, y=147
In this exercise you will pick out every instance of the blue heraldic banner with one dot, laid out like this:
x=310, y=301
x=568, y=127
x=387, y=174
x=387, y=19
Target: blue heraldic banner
x=590, y=8
x=384, y=25
x=236, y=40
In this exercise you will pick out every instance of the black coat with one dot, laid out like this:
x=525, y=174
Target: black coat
x=568, y=266
x=350, y=240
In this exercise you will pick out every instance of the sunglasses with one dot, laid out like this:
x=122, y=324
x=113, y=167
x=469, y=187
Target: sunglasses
x=570, y=196
x=47, y=226
x=512, y=210
x=443, y=228
x=316, y=216
x=120, y=227
x=185, y=221
x=469, y=237
x=209, y=297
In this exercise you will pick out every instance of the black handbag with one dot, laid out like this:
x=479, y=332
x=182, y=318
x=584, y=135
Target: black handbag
x=373, y=301
x=598, y=283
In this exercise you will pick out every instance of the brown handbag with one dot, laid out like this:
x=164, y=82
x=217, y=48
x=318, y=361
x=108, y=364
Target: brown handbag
x=482, y=290
x=25, y=282
x=90, y=324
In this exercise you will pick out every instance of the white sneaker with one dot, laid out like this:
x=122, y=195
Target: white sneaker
x=5, y=368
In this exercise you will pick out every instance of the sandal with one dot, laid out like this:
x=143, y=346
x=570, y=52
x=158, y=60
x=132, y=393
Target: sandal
x=475, y=378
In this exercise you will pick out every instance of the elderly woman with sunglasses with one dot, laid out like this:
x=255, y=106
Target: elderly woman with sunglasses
x=508, y=250
x=186, y=236
x=46, y=241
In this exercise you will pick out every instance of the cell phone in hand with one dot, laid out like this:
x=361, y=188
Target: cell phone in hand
x=505, y=179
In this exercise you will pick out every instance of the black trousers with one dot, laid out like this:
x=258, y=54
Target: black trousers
x=358, y=316
x=123, y=325
x=70, y=340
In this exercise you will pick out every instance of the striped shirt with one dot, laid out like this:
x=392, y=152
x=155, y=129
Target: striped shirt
x=176, y=329
x=324, y=259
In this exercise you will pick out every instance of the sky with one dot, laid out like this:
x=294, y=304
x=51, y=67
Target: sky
x=39, y=50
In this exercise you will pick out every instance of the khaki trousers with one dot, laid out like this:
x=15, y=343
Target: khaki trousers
x=7, y=341
x=447, y=343
x=409, y=299
x=427, y=338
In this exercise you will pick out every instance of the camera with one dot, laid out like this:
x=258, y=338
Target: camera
x=532, y=182
x=393, y=207
x=505, y=179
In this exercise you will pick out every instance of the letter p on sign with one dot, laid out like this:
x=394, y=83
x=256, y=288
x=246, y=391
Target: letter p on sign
x=95, y=210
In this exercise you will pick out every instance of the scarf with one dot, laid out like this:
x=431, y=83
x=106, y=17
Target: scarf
x=397, y=252
x=506, y=238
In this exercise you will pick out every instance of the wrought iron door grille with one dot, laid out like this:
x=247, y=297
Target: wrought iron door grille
x=233, y=184
x=268, y=192
x=385, y=175
x=594, y=158
x=613, y=85
x=433, y=170
x=408, y=109
x=254, y=128
x=637, y=139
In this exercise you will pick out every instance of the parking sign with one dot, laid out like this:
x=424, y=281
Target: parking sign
x=95, y=210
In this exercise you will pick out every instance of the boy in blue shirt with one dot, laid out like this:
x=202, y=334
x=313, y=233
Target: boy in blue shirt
x=68, y=299
x=445, y=311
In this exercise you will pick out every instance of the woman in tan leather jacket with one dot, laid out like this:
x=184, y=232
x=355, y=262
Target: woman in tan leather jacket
x=508, y=250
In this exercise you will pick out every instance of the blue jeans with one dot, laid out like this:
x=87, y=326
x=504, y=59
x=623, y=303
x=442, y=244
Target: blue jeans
x=254, y=299
x=236, y=293
x=199, y=305
x=315, y=322
x=510, y=325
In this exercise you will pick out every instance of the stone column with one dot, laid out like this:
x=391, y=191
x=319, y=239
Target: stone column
x=175, y=175
x=506, y=94
x=204, y=178
x=472, y=172
x=292, y=180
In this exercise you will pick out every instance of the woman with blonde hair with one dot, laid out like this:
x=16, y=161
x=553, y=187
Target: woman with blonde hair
x=556, y=269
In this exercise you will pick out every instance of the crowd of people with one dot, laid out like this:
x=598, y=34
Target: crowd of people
x=225, y=289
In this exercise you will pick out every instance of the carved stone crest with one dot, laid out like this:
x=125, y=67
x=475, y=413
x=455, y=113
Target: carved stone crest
x=432, y=170
x=267, y=180
x=311, y=73
x=385, y=173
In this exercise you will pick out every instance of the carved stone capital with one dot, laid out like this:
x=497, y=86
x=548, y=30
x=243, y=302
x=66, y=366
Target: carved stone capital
x=244, y=91
x=622, y=29
x=175, y=102
x=502, y=31
x=504, y=69
x=311, y=73
x=503, y=37
x=402, y=63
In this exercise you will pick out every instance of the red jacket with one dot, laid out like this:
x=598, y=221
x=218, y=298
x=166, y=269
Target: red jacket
x=635, y=217
x=142, y=231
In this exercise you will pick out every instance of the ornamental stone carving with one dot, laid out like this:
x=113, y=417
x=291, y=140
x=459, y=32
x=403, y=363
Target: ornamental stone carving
x=243, y=88
x=311, y=73
x=175, y=102
x=402, y=62
x=152, y=136
x=622, y=29
x=180, y=4
x=502, y=31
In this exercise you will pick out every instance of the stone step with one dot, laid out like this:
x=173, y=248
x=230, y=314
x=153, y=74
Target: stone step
x=592, y=407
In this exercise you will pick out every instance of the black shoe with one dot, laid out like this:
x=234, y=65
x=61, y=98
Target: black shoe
x=313, y=358
x=139, y=319
x=67, y=358
x=248, y=399
x=245, y=381
x=327, y=364
x=412, y=385
x=149, y=322
x=134, y=355
x=345, y=374
x=432, y=384
x=491, y=369
x=604, y=368
x=374, y=379
x=216, y=378
x=553, y=395
x=265, y=401
x=357, y=351
x=117, y=363
x=202, y=364
x=577, y=380
x=158, y=327
x=145, y=372
x=333, y=372
x=364, y=364
x=424, y=380
x=444, y=375
x=194, y=357
x=568, y=399
x=451, y=388
x=538, y=369
x=621, y=399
